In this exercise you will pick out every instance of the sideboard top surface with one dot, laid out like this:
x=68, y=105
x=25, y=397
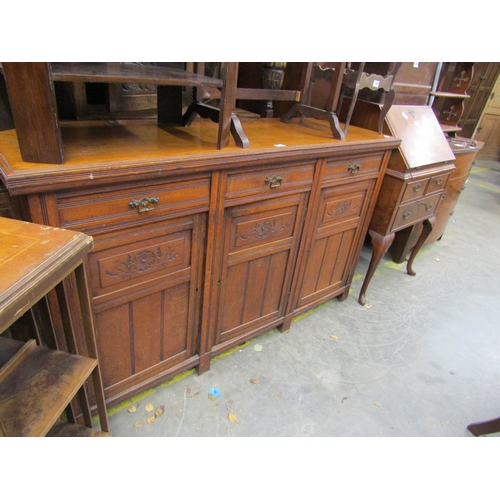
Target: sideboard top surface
x=111, y=151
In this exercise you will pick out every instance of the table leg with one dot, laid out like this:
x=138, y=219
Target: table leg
x=486, y=427
x=380, y=246
x=428, y=226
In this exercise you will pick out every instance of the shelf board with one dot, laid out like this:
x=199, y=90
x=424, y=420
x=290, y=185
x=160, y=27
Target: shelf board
x=129, y=73
x=66, y=429
x=35, y=392
x=450, y=95
x=449, y=128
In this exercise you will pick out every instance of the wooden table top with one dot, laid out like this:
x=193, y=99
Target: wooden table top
x=33, y=259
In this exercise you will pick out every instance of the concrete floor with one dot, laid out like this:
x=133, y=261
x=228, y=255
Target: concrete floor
x=422, y=358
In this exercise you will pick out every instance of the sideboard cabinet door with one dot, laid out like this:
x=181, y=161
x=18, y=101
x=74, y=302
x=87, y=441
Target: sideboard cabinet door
x=145, y=276
x=341, y=213
x=260, y=247
x=145, y=287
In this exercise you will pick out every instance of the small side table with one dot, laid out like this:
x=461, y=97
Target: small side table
x=37, y=383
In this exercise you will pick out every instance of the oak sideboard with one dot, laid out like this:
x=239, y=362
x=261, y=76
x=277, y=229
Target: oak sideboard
x=197, y=250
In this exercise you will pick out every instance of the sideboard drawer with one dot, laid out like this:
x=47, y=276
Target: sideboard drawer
x=278, y=178
x=133, y=205
x=354, y=167
x=416, y=211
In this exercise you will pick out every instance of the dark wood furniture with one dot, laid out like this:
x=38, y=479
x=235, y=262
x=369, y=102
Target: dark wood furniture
x=270, y=89
x=352, y=79
x=413, y=183
x=485, y=427
x=465, y=151
x=357, y=79
x=256, y=89
x=480, y=90
x=197, y=249
x=448, y=100
x=36, y=383
x=414, y=82
x=310, y=75
x=38, y=127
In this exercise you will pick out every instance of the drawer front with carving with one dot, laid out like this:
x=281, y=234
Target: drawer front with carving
x=269, y=181
x=350, y=169
x=260, y=246
x=341, y=213
x=416, y=211
x=145, y=287
x=105, y=207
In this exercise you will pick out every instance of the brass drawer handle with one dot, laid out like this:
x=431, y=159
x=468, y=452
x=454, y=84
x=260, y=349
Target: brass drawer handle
x=406, y=215
x=426, y=205
x=353, y=168
x=439, y=181
x=274, y=182
x=142, y=205
x=417, y=187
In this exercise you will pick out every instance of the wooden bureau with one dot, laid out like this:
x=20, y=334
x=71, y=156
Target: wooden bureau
x=465, y=151
x=197, y=249
x=414, y=182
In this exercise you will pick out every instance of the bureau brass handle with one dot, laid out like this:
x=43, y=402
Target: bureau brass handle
x=353, y=168
x=439, y=181
x=426, y=205
x=143, y=205
x=274, y=182
x=406, y=215
x=417, y=187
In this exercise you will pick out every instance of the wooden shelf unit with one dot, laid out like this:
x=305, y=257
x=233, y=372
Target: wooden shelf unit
x=128, y=73
x=448, y=100
x=37, y=384
x=38, y=127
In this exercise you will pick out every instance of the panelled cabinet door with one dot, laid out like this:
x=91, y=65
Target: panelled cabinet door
x=145, y=286
x=260, y=248
x=340, y=215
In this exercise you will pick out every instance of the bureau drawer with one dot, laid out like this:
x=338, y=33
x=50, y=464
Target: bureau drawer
x=354, y=167
x=125, y=205
x=437, y=183
x=277, y=178
x=415, y=189
x=416, y=211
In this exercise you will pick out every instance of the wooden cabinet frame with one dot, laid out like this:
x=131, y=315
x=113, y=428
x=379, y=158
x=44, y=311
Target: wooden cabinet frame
x=234, y=206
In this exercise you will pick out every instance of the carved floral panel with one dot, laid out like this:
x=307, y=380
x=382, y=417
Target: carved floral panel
x=341, y=208
x=263, y=230
x=147, y=260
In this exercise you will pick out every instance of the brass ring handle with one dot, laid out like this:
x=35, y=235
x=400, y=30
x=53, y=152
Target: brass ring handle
x=439, y=181
x=142, y=205
x=417, y=187
x=353, y=168
x=406, y=215
x=274, y=182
